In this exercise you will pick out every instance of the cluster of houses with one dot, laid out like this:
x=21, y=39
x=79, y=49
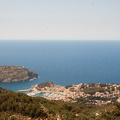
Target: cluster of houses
x=75, y=93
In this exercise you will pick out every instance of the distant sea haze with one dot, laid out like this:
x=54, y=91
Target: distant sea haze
x=63, y=62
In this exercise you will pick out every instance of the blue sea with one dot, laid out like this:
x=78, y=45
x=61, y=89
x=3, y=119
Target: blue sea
x=63, y=62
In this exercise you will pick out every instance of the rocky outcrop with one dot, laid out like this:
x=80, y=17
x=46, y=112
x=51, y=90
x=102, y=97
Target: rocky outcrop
x=16, y=73
x=45, y=84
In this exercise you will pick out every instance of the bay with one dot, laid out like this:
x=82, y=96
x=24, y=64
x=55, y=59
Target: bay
x=63, y=62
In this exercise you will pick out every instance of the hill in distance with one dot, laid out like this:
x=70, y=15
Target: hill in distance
x=16, y=73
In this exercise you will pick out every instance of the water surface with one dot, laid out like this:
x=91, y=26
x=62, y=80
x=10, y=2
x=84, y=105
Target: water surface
x=63, y=62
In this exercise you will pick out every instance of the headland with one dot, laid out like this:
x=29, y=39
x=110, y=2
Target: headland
x=16, y=73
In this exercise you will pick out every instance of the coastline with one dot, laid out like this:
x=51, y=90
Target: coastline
x=72, y=93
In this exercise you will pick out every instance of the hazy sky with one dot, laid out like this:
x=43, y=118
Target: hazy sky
x=59, y=19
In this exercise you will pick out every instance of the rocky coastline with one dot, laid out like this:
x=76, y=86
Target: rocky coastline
x=16, y=73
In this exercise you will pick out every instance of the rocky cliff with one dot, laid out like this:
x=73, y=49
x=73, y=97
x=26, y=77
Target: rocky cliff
x=16, y=73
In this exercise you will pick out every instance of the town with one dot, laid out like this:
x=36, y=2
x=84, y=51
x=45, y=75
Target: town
x=91, y=93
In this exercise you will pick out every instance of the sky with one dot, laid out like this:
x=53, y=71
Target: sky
x=59, y=19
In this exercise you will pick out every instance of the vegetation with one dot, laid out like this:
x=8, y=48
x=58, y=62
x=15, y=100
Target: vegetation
x=3, y=90
x=45, y=84
x=68, y=86
x=16, y=73
x=21, y=103
x=93, y=90
x=16, y=106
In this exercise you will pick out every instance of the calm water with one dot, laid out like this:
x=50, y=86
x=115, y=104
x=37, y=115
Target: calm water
x=63, y=62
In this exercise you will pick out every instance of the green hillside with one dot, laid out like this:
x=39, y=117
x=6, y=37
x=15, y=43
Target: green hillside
x=19, y=106
x=3, y=90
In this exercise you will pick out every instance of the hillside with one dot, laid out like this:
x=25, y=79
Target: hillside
x=19, y=106
x=45, y=84
x=16, y=73
x=3, y=90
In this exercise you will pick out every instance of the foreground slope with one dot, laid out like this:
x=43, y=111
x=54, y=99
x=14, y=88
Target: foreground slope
x=19, y=106
x=16, y=73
